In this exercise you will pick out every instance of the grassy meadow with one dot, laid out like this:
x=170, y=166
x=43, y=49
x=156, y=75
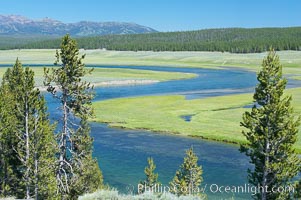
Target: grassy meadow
x=291, y=60
x=106, y=75
x=214, y=118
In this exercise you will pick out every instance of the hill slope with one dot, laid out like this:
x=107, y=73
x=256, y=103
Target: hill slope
x=236, y=40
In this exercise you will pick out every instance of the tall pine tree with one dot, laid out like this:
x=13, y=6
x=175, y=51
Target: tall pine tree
x=9, y=175
x=151, y=177
x=271, y=132
x=32, y=135
x=77, y=171
x=189, y=177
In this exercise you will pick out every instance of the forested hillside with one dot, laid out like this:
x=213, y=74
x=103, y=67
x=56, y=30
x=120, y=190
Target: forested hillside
x=235, y=40
x=16, y=41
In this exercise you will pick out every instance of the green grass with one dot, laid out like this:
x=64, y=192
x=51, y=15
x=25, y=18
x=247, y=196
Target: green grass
x=100, y=75
x=107, y=74
x=290, y=59
x=214, y=118
x=296, y=77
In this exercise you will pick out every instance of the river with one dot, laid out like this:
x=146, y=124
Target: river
x=122, y=154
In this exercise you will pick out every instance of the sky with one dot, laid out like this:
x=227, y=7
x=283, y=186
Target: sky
x=164, y=15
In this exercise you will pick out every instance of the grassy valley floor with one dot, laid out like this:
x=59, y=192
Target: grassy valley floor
x=214, y=118
x=291, y=60
x=107, y=76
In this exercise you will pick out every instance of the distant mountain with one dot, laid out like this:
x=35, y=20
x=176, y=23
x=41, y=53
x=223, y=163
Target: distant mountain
x=12, y=25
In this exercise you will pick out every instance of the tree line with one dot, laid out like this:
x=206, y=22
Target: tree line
x=234, y=40
x=15, y=41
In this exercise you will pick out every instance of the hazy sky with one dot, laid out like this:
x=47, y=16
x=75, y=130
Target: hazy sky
x=164, y=15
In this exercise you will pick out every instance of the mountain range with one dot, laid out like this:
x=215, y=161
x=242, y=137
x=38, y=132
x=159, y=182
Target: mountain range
x=13, y=25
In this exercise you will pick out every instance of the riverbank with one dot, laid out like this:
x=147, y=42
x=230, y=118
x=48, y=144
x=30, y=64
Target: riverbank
x=116, y=77
x=213, y=118
x=114, y=83
x=291, y=60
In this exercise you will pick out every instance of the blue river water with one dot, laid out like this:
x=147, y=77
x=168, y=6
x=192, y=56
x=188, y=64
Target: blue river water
x=210, y=82
x=122, y=154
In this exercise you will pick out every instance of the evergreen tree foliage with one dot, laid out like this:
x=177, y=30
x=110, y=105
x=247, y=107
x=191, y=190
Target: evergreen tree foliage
x=151, y=177
x=234, y=40
x=75, y=162
x=9, y=175
x=88, y=177
x=31, y=137
x=44, y=149
x=189, y=177
x=271, y=132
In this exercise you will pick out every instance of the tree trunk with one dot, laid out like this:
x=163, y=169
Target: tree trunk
x=63, y=143
x=266, y=160
x=36, y=162
x=36, y=188
x=265, y=173
x=65, y=126
x=27, y=163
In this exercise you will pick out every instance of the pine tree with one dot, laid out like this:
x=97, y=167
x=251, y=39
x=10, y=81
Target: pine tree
x=74, y=139
x=271, y=132
x=88, y=176
x=33, y=145
x=44, y=149
x=189, y=177
x=9, y=163
x=151, y=177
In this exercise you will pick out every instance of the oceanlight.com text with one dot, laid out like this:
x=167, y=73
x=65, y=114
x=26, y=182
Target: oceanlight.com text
x=215, y=188
x=249, y=189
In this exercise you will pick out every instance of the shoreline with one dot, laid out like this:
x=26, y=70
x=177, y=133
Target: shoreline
x=124, y=82
x=214, y=118
x=176, y=134
x=113, y=83
x=170, y=133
